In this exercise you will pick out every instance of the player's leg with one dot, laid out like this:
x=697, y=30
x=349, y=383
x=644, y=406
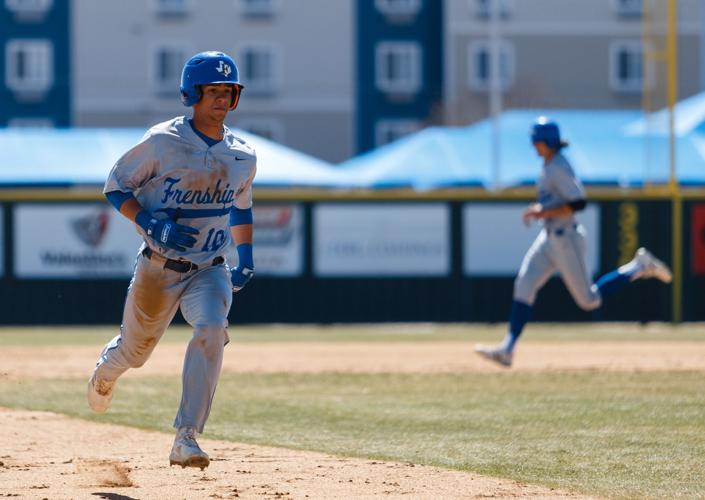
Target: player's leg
x=152, y=299
x=643, y=265
x=569, y=250
x=205, y=306
x=536, y=268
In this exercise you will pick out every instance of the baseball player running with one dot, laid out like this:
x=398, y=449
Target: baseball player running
x=560, y=246
x=187, y=186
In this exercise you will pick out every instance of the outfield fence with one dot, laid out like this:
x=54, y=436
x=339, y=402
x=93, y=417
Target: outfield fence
x=334, y=256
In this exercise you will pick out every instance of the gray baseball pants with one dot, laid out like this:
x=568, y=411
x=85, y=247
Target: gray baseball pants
x=561, y=250
x=154, y=294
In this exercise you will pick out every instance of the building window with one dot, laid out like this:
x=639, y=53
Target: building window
x=257, y=64
x=27, y=122
x=257, y=8
x=168, y=62
x=172, y=7
x=629, y=8
x=29, y=65
x=270, y=129
x=398, y=67
x=398, y=7
x=482, y=7
x=29, y=8
x=387, y=131
x=479, y=65
x=627, y=66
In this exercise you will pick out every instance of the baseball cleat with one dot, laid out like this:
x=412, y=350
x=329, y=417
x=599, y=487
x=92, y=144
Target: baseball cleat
x=651, y=267
x=496, y=354
x=100, y=392
x=186, y=451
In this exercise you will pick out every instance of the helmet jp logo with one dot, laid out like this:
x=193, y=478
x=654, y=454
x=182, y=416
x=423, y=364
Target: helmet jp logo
x=223, y=68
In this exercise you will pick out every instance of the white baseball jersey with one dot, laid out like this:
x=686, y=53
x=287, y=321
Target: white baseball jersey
x=556, y=186
x=174, y=174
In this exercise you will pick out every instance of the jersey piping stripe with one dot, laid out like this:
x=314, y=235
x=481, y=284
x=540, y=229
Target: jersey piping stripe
x=193, y=213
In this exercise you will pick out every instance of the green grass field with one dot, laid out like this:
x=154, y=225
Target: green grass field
x=625, y=435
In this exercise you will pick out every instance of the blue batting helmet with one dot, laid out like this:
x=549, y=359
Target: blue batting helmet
x=209, y=68
x=546, y=131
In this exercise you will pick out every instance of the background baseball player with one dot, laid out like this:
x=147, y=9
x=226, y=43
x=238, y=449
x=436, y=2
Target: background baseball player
x=188, y=187
x=561, y=246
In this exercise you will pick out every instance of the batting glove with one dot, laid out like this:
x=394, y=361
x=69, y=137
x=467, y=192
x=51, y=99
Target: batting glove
x=167, y=233
x=240, y=276
x=245, y=270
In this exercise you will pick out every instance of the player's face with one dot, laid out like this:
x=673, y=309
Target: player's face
x=215, y=100
x=543, y=150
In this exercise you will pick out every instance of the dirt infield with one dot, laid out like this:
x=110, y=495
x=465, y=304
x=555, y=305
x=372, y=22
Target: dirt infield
x=45, y=455
x=354, y=357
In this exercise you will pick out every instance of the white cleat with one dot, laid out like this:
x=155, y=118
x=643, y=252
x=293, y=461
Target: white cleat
x=498, y=354
x=651, y=267
x=186, y=451
x=100, y=392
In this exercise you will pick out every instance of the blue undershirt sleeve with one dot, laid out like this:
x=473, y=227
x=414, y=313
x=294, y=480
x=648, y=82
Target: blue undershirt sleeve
x=240, y=216
x=117, y=198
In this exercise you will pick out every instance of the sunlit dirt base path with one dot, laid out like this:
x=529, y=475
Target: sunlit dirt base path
x=378, y=357
x=44, y=455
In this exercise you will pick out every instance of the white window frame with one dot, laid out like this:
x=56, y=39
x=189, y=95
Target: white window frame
x=628, y=8
x=633, y=85
x=178, y=8
x=43, y=54
x=29, y=6
x=267, y=86
x=258, y=8
x=168, y=87
x=398, y=7
x=399, y=127
x=482, y=8
x=275, y=127
x=506, y=51
x=410, y=49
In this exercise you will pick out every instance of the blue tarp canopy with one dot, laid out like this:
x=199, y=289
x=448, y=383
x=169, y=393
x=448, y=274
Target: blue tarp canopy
x=84, y=156
x=625, y=148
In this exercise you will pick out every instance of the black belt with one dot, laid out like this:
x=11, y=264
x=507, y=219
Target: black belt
x=561, y=230
x=180, y=266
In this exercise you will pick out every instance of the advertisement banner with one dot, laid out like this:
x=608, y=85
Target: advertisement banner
x=374, y=240
x=697, y=236
x=73, y=241
x=278, y=240
x=495, y=239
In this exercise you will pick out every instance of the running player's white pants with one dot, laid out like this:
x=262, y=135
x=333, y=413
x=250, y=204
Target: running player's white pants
x=564, y=251
x=154, y=295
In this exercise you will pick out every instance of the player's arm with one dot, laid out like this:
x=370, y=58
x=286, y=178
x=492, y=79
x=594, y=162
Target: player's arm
x=241, y=229
x=164, y=232
x=538, y=211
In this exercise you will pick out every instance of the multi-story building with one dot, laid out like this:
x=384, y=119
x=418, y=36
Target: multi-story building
x=399, y=69
x=564, y=53
x=331, y=78
x=34, y=55
x=296, y=64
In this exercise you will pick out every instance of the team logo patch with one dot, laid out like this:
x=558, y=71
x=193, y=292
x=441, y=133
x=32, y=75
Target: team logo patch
x=224, y=69
x=91, y=229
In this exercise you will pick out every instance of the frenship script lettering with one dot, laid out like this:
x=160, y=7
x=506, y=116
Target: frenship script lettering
x=220, y=195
